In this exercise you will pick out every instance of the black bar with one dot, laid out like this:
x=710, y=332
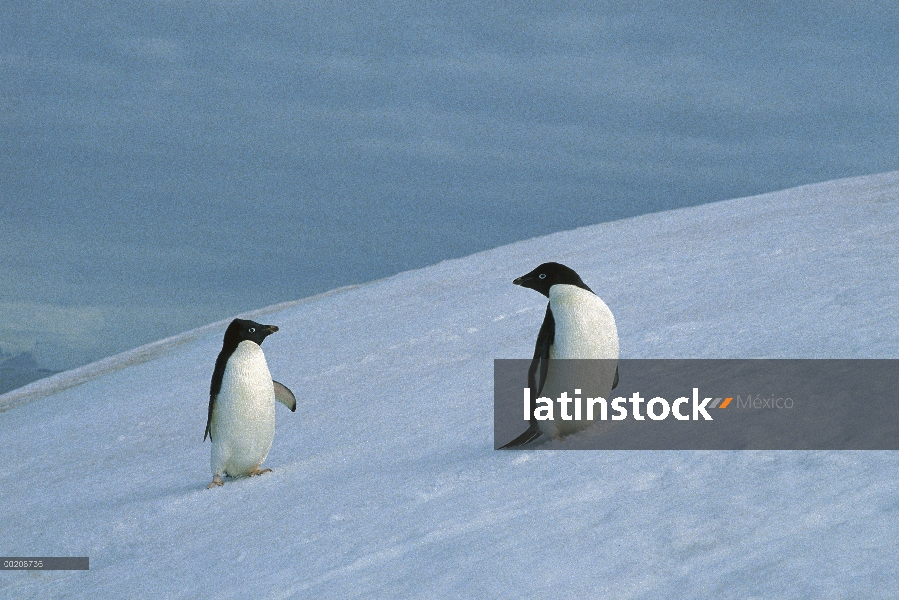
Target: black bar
x=44, y=563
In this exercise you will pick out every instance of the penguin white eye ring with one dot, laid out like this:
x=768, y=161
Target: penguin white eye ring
x=542, y=275
x=242, y=394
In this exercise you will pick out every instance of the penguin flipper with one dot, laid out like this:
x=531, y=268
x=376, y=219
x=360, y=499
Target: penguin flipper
x=540, y=362
x=208, y=432
x=215, y=386
x=537, y=375
x=532, y=433
x=285, y=396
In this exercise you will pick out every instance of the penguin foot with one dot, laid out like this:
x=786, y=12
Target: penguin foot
x=216, y=481
x=256, y=471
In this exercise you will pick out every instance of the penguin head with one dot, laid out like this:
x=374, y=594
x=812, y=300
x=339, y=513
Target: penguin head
x=549, y=274
x=242, y=330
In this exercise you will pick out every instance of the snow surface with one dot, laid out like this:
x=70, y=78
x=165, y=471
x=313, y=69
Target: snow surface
x=385, y=482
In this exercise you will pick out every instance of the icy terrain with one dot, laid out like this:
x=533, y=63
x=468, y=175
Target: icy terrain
x=384, y=481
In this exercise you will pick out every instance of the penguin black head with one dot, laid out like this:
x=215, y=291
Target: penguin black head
x=549, y=274
x=241, y=330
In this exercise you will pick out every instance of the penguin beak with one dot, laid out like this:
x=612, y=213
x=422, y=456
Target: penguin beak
x=530, y=282
x=272, y=328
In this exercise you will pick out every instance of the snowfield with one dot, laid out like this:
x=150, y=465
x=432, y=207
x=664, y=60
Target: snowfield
x=385, y=483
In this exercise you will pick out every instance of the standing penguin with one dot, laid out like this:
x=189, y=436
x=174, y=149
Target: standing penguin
x=577, y=325
x=241, y=421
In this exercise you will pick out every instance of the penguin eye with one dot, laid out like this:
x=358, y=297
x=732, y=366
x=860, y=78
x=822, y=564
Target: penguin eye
x=252, y=330
x=542, y=275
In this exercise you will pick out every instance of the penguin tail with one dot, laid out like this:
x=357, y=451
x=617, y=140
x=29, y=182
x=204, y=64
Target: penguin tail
x=532, y=433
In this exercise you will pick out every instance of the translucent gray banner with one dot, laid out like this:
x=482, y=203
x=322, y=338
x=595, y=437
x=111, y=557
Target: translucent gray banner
x=45, y=563
x=734, y=404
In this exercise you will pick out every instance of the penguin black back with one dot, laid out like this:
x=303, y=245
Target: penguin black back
x=240, y=330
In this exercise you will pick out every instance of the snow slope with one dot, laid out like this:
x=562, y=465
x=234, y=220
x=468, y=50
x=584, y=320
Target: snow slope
x=385, y=483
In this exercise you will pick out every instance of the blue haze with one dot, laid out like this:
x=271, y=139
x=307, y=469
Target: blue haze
x=166, y=164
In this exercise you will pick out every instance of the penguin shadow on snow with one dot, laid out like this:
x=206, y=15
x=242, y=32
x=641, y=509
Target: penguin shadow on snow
x=577, y=325
x=242, y=395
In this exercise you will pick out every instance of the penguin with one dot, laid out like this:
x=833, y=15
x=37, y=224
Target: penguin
x=241, y=420
x=577, y=325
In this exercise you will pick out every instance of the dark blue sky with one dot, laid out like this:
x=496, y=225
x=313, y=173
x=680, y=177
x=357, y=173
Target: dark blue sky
x=166, y=164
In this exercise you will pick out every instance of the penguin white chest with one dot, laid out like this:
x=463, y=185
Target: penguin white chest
x=585, y=327
x=243, y=422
